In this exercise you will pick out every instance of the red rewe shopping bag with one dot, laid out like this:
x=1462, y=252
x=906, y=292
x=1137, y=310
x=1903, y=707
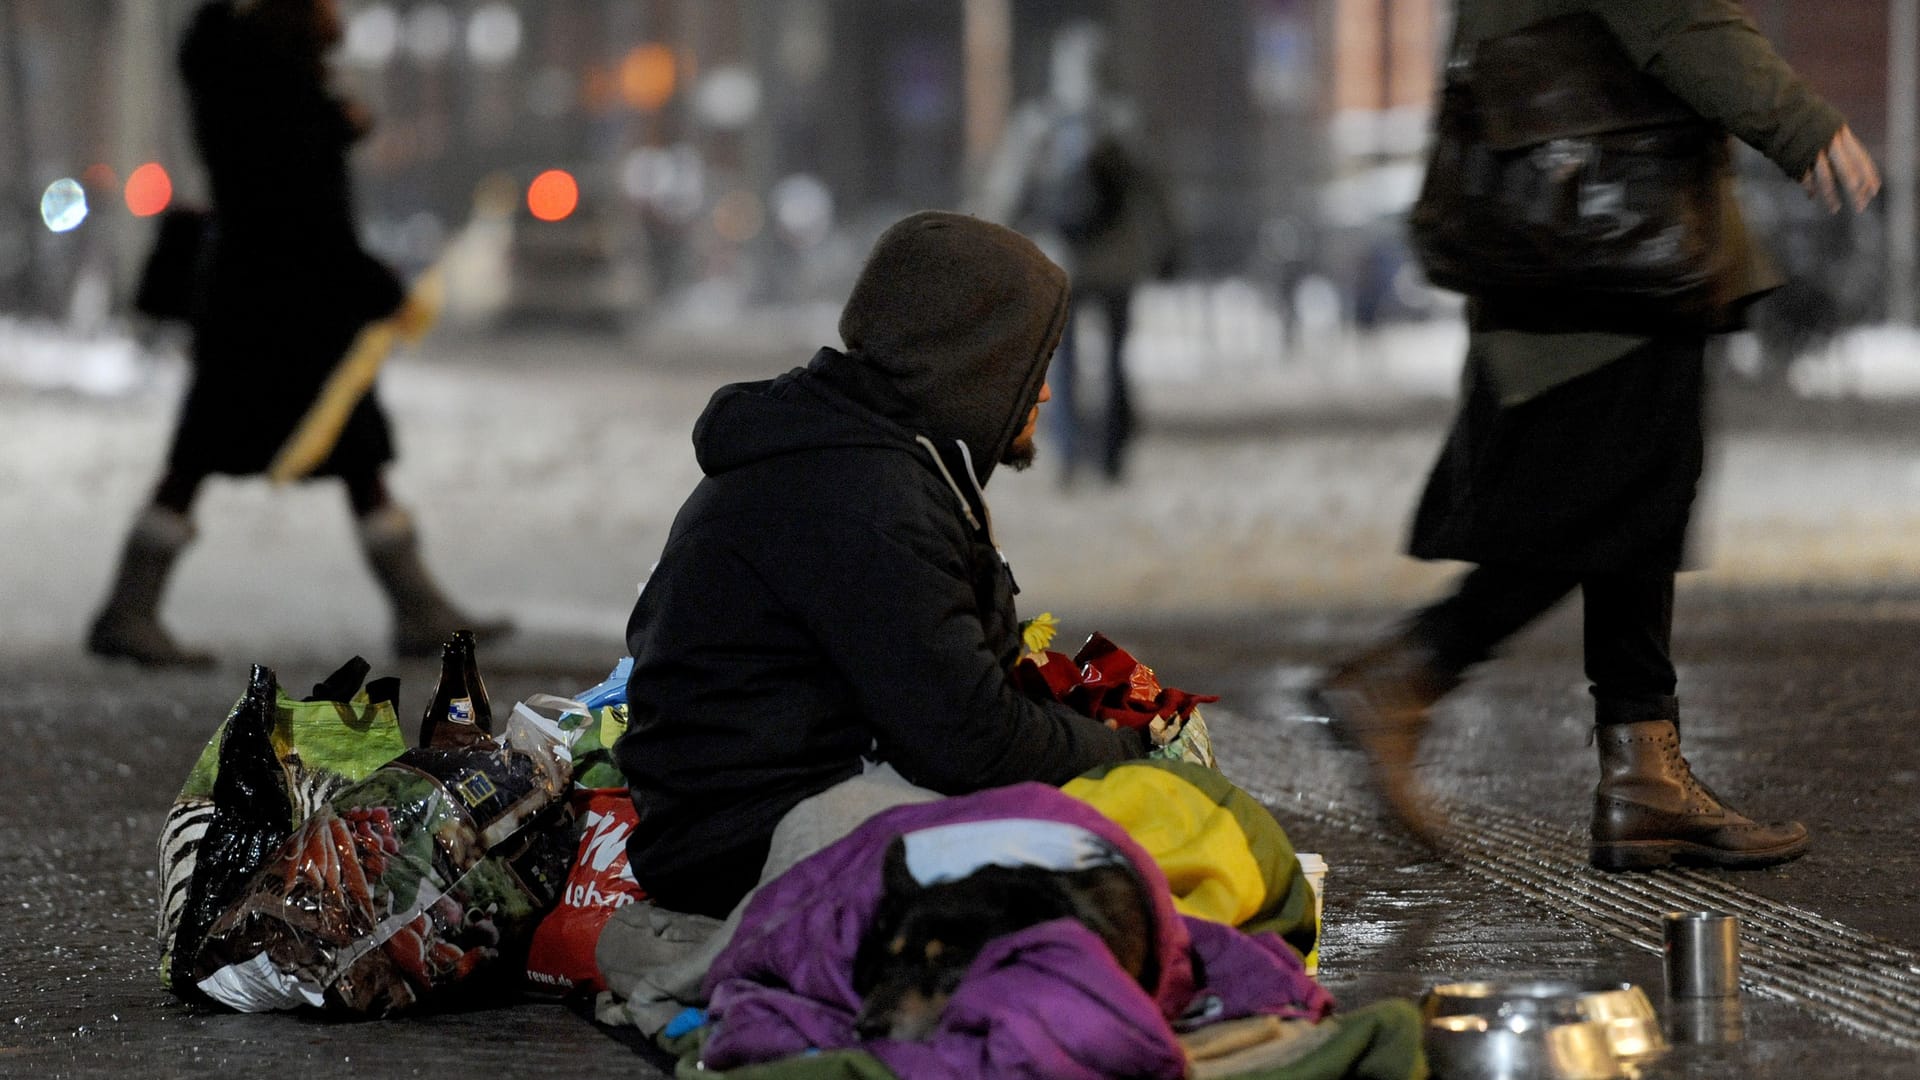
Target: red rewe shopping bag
x=561, y=957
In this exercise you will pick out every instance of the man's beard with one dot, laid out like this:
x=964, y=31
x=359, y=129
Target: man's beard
x=1020, y=455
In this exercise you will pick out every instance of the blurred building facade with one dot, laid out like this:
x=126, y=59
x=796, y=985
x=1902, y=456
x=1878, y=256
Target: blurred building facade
x=761, y=143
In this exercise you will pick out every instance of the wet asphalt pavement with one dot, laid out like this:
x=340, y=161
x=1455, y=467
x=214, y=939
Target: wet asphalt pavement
x=1799, y=705
x=1799, y=695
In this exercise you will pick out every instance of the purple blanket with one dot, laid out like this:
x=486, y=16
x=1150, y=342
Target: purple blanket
x=1048, y=1001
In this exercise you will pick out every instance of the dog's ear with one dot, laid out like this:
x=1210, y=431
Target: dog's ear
x=897, y=890
x=895, y=877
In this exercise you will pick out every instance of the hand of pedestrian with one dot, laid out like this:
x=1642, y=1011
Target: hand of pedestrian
x=1843, y=176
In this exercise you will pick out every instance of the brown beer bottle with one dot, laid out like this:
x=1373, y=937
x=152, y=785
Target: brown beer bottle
x=459, y=714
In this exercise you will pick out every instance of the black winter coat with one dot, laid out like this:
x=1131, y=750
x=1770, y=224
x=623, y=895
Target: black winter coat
x=829, y=595
x=289, y=285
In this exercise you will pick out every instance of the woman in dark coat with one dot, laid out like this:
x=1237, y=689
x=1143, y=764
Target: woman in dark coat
x=284, y=292
x=1573, y=462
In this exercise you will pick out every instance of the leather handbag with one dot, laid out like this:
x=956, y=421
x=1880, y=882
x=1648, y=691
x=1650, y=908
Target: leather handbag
x=1563, y=173
x=172, y=281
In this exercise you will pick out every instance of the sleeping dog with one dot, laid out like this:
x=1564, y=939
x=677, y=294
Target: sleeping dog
x=924, y=937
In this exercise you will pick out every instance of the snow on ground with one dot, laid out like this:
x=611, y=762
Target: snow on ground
x=545, y=473
x=43, y=355
x=1873, y=363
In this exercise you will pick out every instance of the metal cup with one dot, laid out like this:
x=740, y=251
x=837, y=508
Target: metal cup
x=1706, y=1021
x=1702, y=954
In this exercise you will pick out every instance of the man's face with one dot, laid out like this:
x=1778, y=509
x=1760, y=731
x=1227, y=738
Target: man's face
x=1021, y=451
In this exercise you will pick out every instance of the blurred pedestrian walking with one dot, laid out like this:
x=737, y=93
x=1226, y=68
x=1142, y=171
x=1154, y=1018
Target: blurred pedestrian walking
x=1071, y=173
x=1574, y=457
x=280, y=291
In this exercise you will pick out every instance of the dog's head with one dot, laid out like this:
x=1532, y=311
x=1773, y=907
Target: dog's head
x=925, y=937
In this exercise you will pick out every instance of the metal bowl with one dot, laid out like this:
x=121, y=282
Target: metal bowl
x=1519, y=1048
x=1621, y=1008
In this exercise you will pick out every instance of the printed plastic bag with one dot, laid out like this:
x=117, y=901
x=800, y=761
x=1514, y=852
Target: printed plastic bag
x=600, y=883
x=410, y=884
x=262, y=775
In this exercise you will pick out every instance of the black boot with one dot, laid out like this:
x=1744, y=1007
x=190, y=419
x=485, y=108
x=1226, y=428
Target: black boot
x=423, y=617
x=128, y=624
x=1650, y=812
x=1378, y=703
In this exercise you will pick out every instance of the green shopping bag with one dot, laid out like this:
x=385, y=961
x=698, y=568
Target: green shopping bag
x=322, y=746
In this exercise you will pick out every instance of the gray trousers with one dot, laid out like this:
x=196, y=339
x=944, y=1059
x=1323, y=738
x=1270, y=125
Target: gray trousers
x=654, y=960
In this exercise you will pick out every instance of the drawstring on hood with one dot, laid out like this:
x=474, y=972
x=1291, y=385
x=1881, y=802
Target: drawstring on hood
x=961, y=316
x=981, y=522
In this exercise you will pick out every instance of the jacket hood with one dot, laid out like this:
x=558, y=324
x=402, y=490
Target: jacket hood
x=834, y=402
x=961, y=317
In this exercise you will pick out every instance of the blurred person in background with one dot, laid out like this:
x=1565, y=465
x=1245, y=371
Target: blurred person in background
x=280, y=295
x=1573, y=462
x=1070, y=173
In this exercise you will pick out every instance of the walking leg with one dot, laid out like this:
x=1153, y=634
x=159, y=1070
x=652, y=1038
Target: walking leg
x=128, y=623
x=1649, y=810
x=423, y=617
x=1380, y=701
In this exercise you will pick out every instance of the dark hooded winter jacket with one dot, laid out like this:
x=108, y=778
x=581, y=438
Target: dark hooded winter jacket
x=288, y=285
x=831, y=593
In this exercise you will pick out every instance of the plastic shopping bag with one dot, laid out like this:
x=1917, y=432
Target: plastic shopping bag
x=409, y=886
x=260, y=777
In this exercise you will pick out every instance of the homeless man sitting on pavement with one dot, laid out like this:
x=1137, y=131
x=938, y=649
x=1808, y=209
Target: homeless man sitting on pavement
x=830, y=629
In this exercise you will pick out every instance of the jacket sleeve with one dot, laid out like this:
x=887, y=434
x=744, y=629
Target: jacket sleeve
x=907, y=635
x=1712, y=56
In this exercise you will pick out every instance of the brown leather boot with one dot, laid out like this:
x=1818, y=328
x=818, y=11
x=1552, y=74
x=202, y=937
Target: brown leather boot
x=1378, y=703
x=1650, y=812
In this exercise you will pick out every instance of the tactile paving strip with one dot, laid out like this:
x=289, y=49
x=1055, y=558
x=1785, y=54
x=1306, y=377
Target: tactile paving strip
x=1861, y=983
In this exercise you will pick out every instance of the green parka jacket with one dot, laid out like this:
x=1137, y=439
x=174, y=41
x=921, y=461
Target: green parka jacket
x=1710, y=54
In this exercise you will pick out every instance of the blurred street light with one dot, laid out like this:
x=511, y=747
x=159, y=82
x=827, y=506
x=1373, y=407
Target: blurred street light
x=648, y=76
x=728, y=98
x=803, y=207
x=64, y=206
x=373, y=35
x=149, y=190
x=670, y=180
x=493, y=34
x=553, y=195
